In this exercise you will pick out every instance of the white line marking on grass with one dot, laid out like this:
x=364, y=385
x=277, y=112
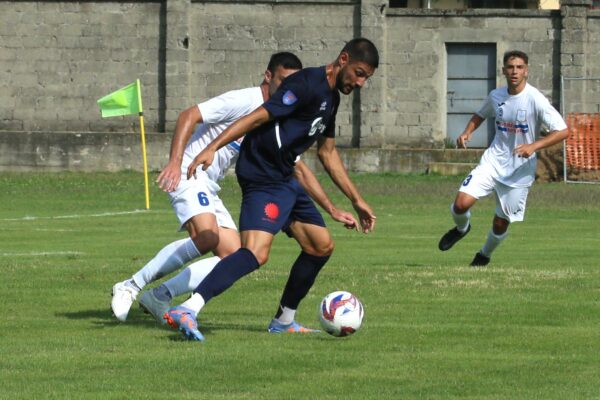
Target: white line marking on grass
x=53, y=230
x=42, y=253
x=106, y=214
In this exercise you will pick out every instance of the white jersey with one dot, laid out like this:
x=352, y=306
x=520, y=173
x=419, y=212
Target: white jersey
x=518, y=120
x=217, y=114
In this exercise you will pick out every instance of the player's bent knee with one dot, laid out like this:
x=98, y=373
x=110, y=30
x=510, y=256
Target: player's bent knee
x=461, y=207
x=463, y=203
x=321, y=250
x=500, y=225
x=206, y=241
x=328, y=249
x=262, y=259
x=224, y=251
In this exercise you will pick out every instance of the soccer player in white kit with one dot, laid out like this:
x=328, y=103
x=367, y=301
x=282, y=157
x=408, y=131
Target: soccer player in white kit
x=508, y=166
x=196, y=201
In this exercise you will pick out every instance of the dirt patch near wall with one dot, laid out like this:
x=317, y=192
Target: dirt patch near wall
x=550, y=167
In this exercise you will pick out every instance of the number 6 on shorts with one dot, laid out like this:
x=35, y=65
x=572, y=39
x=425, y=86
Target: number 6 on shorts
x=203, y=199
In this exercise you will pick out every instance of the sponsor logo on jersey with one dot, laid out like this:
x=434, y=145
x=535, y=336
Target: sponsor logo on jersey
x=512, y=128
x=289, y=98
x=317, y=127
x=271, y=211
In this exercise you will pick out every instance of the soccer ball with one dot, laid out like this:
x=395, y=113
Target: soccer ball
x=340, y=313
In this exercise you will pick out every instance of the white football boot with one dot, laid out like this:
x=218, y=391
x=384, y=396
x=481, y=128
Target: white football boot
x=123, y=296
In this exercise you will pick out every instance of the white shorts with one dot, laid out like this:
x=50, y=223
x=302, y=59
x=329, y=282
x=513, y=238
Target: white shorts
x=198, y=196
x=510, y=201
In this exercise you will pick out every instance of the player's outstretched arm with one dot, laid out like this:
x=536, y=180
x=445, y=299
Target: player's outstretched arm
x=472, y=125
x=330, y=158
x=235, y=131
x=170, y=176
x=313, y=187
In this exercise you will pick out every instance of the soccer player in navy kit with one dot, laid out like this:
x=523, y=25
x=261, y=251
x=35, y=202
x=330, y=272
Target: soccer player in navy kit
x=301, y=112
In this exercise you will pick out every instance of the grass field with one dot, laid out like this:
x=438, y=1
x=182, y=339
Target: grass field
x=526, y=327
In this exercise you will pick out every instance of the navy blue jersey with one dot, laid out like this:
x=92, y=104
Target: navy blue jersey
x=302, y=109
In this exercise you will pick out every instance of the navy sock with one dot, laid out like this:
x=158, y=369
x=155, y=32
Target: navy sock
x=302, y=276
x=226, y=273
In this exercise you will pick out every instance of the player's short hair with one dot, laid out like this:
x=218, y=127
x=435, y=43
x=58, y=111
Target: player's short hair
x=284, y=59
x=361, y=49
x=515, y=53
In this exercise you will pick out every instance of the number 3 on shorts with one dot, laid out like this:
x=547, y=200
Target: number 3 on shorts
x=203, y=199
x=467, y=180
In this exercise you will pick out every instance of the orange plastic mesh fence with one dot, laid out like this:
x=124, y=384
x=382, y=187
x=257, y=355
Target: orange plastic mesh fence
x=583, y=142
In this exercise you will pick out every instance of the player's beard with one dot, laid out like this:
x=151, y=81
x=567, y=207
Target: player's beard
x=339, y=83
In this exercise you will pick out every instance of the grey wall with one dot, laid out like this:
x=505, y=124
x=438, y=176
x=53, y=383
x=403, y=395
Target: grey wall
x=58, y=58
x=416, y=95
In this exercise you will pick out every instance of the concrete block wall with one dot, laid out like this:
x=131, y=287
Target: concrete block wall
x=57, y=58
x=580, y=56
x=230, y=45
x=416, y=83
x=86, y=152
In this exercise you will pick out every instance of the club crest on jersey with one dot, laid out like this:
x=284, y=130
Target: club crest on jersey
x=289, y=98
x=323, y=106
x=521, y=115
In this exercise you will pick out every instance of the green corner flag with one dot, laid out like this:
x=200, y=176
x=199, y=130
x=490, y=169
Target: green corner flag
x=127, y=101
x=124, y=101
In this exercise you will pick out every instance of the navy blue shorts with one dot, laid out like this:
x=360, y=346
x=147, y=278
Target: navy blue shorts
x=272, y=207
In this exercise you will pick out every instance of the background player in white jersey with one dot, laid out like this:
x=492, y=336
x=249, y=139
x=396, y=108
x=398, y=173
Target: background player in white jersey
x=196, y=202
x=507, y=167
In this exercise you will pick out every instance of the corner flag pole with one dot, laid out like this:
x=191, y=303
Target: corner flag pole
x=128, y=101
x=143, y=134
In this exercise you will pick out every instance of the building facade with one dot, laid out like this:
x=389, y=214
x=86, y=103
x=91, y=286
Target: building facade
x=58, y=58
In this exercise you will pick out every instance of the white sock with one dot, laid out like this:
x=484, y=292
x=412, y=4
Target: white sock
x=194, y=303
x=170, y=258
x=287, y=315
x=131, y=283
x=492, y=242
x=461, y=220
x=189, y=279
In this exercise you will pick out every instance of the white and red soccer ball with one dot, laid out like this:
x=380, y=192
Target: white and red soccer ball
x=340, y=313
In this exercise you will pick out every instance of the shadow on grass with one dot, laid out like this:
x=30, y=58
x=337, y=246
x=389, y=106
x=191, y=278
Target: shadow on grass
x=415, y=265
x=215, y=326
x=103, y=318
x=100, y=319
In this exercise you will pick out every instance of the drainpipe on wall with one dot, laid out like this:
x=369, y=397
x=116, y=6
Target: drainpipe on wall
x=426, y=4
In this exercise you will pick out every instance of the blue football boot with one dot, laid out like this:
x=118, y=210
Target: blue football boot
x=277, y=327
x=184, y=320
